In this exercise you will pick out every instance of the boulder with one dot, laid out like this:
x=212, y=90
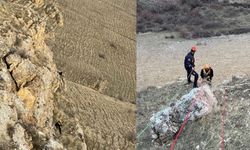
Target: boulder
x=194, y=105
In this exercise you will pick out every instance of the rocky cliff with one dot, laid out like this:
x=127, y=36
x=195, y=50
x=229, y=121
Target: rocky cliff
x=29, y=78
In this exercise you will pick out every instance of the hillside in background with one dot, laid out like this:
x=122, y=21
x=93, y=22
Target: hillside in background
x=194, y=18
x=95, y=50
x=96, y=46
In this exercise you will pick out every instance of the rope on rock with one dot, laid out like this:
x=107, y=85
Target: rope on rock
x=182, y=126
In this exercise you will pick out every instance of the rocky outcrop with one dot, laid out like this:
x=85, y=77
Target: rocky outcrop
x=229, y=122
x=29, y=78
x=166, y=123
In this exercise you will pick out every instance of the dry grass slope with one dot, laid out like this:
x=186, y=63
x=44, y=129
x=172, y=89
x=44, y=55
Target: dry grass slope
x=95, y=50
x=96, y=47
x=107, y=122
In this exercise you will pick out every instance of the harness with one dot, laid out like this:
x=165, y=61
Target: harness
x=206, y=73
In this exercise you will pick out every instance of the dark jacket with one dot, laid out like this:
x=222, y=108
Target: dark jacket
x=189, y=61
x=207, y=74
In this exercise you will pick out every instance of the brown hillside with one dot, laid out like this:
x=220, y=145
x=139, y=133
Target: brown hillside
x=107, y=122
x=96, y=46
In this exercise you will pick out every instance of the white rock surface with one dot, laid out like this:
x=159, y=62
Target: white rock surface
x=166, y=123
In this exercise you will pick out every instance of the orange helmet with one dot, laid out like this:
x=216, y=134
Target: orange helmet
x=194, y=48
x=206, y=66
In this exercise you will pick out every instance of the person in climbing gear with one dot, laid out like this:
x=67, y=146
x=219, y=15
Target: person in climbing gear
x=207, y=73
x=189, y=66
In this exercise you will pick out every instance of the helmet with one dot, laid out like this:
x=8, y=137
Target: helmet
x=194, y=48
x=206, y=66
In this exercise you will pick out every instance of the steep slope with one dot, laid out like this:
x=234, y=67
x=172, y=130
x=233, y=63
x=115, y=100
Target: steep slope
x=95, y=50
x=107, y=122
x=233, y=100
x=96, y=46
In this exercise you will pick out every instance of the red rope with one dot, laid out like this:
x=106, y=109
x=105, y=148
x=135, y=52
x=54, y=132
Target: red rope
x=223, y=115
x=180, y=130
x=182, y=126
x=187, y=135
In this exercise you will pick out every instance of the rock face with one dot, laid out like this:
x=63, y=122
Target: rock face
x=166, y=123
x=231, y=115
x=29, y=78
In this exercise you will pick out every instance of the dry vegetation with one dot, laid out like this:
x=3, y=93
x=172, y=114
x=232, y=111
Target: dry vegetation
x=107, y=122
x=194, y=18
x=95, y=50
x=96, y=47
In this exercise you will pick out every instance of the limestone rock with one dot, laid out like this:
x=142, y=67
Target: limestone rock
x=24, y=72
x=20, y=138
x=233, y=99
x=166, y=123
x=27, y=97
x=28, y=78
